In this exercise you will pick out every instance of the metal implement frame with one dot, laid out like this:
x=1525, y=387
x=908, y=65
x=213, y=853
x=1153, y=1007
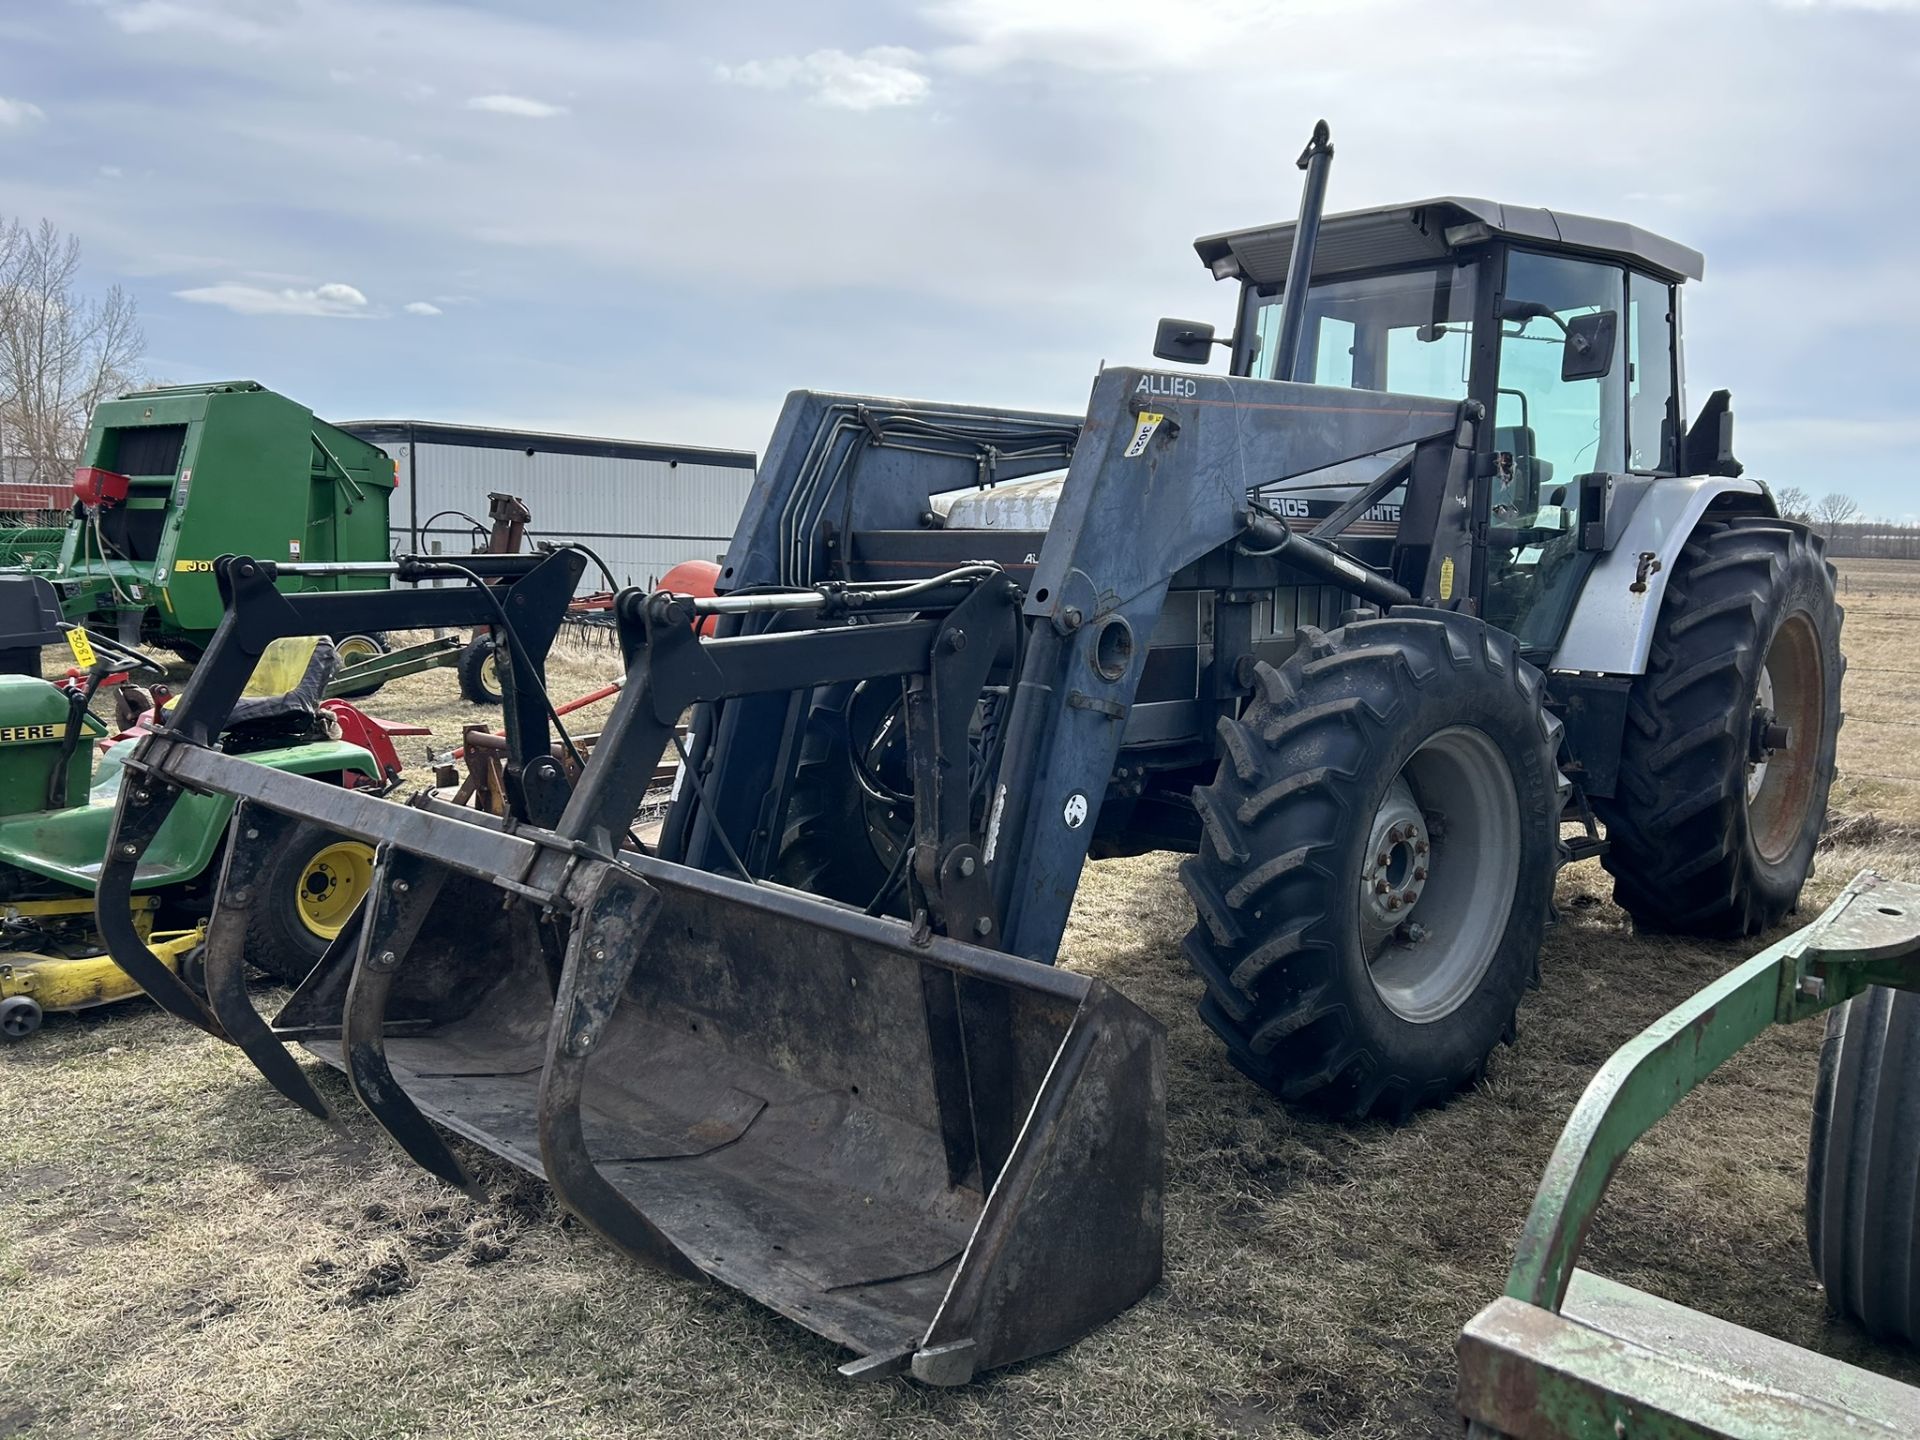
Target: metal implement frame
x=408, y=660
x=256, y=615
x=1532, y=1366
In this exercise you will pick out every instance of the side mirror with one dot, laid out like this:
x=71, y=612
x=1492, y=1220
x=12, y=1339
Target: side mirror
x=1588, y=351
x=1190, y=342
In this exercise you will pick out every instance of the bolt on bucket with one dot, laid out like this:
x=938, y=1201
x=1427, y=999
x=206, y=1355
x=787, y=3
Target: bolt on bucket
x=944, y=1158
x=941, y=1157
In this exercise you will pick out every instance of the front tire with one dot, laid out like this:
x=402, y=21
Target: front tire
x=1863, y=1164
x=313, y=887
x=1378, y=852
x=1711, y=831
x=839, y=842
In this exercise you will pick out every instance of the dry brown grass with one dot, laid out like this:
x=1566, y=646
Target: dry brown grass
x=186, y=1255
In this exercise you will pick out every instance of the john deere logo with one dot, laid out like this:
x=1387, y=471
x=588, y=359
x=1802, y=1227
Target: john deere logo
x=21, y=734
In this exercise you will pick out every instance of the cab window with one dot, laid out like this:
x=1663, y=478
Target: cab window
x=1406, y=332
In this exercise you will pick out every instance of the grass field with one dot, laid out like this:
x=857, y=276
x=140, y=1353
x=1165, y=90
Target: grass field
x=183, y=1254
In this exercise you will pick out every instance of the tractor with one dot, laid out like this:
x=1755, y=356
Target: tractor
x=1430, y=594
x=60, y=773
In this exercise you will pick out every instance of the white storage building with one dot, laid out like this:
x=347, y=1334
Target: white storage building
x=642, y=507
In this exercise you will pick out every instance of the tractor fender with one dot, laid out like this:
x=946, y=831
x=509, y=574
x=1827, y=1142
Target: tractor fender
x=1612, y=625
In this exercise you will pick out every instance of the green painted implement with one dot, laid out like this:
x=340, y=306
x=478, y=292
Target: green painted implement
x=1567, y=1355
x=174, y=478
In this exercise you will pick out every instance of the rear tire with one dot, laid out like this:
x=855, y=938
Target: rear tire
x=1749, y=618
x=479, y=675
x=1863, y=1164
x=313, y=887
x=1420, y=738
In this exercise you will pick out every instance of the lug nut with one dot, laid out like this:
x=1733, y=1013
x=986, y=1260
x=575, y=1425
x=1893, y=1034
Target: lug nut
x=1419, y=872
x=1420, y=847
x=1410, y=896
x=1380, y=887
x=1381, y=859
x=1393, y=902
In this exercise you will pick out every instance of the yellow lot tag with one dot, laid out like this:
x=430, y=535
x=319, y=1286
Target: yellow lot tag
x=1145, y=424
x=82, y=648
x=1446, y=578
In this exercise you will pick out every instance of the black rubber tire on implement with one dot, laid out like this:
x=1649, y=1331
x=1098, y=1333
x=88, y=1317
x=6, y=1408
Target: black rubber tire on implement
x=825, y=847
x=473, y=666
x=1683, y=851
x=278, y=940
x=1288, y=825
x=20, y=1016
x=353, y=649
x=1863, y=1164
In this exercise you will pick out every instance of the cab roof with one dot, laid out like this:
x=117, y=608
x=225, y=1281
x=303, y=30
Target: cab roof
x=1430, y=229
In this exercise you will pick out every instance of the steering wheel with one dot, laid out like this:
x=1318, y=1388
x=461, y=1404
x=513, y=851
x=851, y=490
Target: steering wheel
x=116, y=650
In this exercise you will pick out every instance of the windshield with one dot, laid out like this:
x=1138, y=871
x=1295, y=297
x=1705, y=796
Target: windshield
x=1407, y=332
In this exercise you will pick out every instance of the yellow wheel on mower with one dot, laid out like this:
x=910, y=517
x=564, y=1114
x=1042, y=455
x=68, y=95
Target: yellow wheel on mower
x=336, y=879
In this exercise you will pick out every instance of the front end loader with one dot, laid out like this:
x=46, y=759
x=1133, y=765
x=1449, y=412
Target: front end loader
x=1357, y=625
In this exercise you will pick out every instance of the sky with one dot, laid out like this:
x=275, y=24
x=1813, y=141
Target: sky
x=654, y=221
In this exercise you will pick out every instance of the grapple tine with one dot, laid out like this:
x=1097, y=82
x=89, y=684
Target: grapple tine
x=144, y=807
x=611, y=922
x=250, y=849
x=404, y=889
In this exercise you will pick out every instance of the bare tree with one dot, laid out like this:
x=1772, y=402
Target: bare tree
x=61, y=351
x=1794, y=503
x=1835, y=509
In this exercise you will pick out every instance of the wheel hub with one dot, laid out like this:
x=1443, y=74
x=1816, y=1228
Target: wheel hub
x=1445, y=847
x=332, y=886
x=1393, y=875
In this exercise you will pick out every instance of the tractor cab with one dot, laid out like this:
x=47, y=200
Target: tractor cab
x=1565, y=328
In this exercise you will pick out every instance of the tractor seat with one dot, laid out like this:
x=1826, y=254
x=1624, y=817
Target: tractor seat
x=262, y=721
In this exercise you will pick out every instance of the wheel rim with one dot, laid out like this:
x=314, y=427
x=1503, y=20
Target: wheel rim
x=1437, y=880
x=332, y=886
x=353, y=649
x=490, y=672
x=1791, y=693
x=19, y=1018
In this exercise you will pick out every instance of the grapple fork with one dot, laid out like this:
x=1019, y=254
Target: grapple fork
x=943, y=1157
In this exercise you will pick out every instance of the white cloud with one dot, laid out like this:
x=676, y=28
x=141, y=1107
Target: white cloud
x=19, y=114
x=421, y=307
x=877, y=78
x=332, y=300
x=209, y=19
x=518, y=105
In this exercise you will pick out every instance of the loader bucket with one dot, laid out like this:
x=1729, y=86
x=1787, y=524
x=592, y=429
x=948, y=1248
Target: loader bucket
x=941, y=1157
